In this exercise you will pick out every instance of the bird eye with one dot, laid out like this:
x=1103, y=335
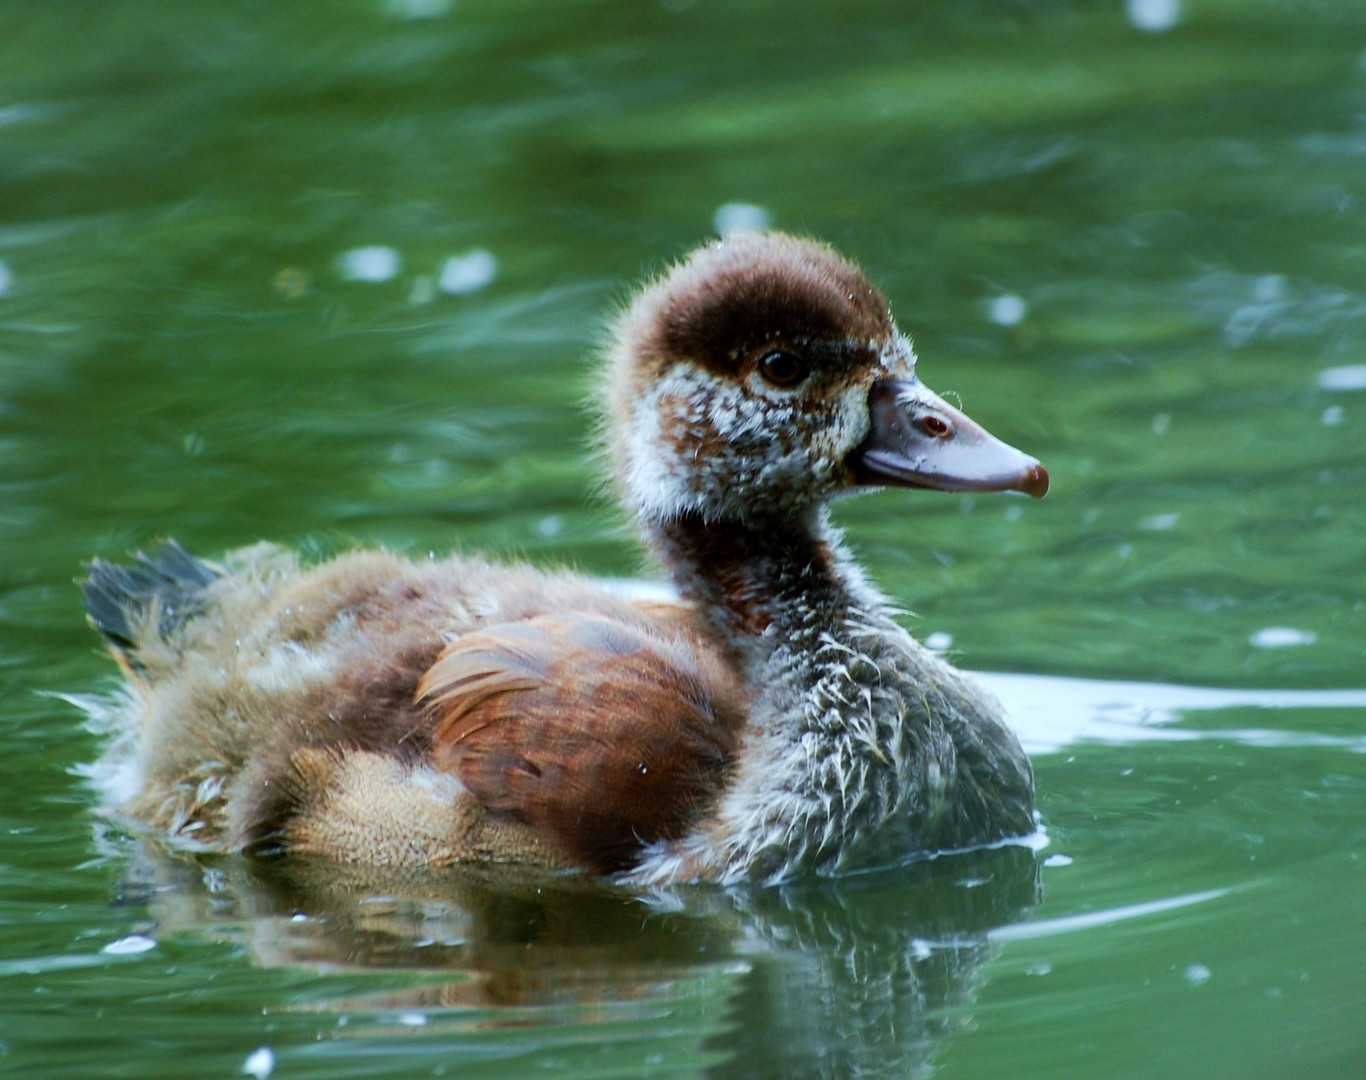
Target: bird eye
x=783, y=369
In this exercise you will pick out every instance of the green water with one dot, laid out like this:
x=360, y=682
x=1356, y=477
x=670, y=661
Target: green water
x=1179, y=214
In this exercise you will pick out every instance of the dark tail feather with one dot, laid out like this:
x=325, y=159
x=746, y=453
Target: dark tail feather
x=119, y=598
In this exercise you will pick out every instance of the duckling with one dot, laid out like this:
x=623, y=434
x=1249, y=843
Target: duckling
x=776, y=721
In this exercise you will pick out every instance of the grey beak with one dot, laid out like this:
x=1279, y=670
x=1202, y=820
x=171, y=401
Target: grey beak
x=919, y=440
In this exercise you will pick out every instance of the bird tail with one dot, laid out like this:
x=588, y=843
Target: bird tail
x=160, y=592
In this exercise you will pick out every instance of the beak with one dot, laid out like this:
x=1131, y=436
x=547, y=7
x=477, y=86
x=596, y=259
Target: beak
x=919, y=440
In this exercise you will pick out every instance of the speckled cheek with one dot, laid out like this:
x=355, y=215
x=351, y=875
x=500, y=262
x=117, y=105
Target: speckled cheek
x=686, y=435
x=655, y=454
x=845, y=427
x=678, y=419
x=786, y=469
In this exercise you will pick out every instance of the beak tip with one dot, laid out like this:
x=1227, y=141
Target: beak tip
x=1035, y=483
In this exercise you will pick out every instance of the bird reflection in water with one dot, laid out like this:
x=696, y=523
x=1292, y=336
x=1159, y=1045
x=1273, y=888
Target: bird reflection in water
x=819, y=978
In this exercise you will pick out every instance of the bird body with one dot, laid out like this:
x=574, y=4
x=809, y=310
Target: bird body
x=775, y=721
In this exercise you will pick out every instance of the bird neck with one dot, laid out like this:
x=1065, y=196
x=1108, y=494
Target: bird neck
x=827, y=756
x=861, y=745
x=760, y=582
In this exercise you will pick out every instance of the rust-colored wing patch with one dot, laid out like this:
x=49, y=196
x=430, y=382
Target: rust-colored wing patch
x=601, y=734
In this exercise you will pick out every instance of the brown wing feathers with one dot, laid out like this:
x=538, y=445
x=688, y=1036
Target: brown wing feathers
x=604, y=735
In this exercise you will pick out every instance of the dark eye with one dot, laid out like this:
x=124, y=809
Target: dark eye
x=783, y=369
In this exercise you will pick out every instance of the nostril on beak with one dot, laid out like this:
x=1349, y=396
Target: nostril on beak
x=935, y=427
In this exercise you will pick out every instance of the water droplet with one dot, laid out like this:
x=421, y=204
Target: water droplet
x=260, y=1063
x=1282, y=637
x=1332, y=416
x=938, y=641
x=1007, y=310
x=1058, y=860
x=130, y=945
x=734, y=217
x=1159, y=522
x=371, y=264
x=1351, y=377
x=1153, y=16
x=1196, y=974
x=468, y=273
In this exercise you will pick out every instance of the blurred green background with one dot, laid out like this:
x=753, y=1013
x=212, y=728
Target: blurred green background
x=333, y=273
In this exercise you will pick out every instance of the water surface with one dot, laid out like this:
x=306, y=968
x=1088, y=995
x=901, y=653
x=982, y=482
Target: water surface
x=331, y=274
